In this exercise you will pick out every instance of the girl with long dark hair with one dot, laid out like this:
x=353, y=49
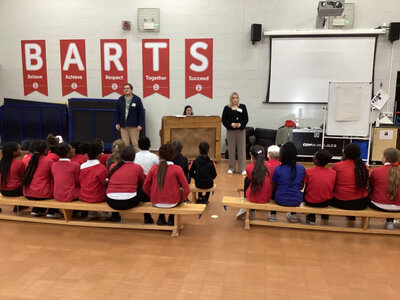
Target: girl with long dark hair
x=351, y=186
x=288, y=181
x=163, y=183
x=38, y=181
x=11, y=170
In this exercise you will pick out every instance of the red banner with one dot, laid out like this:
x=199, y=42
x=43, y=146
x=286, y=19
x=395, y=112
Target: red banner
x=34, y=67
x=198, y=67
x=73, y=67
x=113, y=66
x=155, y=53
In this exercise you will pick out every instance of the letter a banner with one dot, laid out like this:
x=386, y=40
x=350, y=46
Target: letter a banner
x=73, y=67
x=198, y=67
x=155, y=67
x=34, y=67
x=114, y=71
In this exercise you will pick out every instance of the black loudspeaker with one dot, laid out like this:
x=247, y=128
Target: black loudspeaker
x=255, y=33
x=394, y=31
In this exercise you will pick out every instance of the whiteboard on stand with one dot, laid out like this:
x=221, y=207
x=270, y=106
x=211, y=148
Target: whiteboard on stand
x=349, y=108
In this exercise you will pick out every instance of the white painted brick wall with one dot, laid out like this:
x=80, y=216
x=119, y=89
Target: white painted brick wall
x=238, y=65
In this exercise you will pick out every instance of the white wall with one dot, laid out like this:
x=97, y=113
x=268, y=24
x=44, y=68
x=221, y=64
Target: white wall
x=238, y=65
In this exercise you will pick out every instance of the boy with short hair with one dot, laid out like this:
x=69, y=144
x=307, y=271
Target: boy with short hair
x=144, y=157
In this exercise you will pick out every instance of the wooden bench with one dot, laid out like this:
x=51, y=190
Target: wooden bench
x=67, y=209
x=366, y=214
x=194, y=190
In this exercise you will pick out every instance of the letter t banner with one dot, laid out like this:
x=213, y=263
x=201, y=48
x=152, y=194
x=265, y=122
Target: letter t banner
x=198, y=67
x=73, y=67
x=155, y=53
x=114, y=71
x=34, y=69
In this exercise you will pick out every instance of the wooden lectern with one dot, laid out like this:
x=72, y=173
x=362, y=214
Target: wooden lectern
x=191, y=131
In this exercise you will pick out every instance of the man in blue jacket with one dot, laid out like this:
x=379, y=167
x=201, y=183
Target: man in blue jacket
x=130, y=116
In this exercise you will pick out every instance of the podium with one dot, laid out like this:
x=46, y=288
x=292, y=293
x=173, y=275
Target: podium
x=191, y=131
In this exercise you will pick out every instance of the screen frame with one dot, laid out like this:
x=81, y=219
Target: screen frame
x=315, y=36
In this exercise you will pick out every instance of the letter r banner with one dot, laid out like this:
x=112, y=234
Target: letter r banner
x=198, y=67
x=34, y=67
x=114, y=71
x=73, y=67
x=155, y=53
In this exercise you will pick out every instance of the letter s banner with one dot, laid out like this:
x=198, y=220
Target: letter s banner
x=198, y=67
x=155, y=53
x=73, y=67
x=34, y=67
x=114, y=71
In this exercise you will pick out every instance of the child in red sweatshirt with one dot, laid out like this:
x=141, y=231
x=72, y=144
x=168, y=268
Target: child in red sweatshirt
x=163, y=183
x=92, y=176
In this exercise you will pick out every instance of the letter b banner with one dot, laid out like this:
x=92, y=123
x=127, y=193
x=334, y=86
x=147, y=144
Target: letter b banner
x=198, y=67
x=34, y=67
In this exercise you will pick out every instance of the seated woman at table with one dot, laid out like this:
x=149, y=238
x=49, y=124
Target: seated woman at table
x=188, y=111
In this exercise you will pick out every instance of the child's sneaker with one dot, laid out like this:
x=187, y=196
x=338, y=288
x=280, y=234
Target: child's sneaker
x=241, y=214
x=389, y=225
x=310, y=219
x=271, y=217
x=54, y=213
x=292, y=217
x=252, y=213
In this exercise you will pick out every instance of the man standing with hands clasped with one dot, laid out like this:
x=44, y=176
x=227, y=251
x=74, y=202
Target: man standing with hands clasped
x=130, y=116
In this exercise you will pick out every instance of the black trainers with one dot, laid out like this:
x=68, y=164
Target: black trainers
x=115, y=217
x=161, y=220
x=148, y=219
x=54, y=213
x=310, y=219
x=171, y=219
x=38, y=211
x=202, y=200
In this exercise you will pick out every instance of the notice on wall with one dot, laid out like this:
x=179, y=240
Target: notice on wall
x=155, y=59
x=34, y=67
x=114, y=71
x=198, y=67
x=386, y=134
x=73, y=67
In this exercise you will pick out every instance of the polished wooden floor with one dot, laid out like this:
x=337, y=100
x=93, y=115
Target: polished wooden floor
x=213, y=258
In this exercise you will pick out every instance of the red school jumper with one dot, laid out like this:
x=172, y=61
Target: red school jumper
x=79, y=158
x=26, y=159
x=265, y=193
x=15, y=175
x=54, y=157
x=174, y=179
x=92, y=178
x=42, y=183
x=66, y=180
x=320, y=183
x=345, y=185
x=378, y=182
x=273, y=163
x=126, y=179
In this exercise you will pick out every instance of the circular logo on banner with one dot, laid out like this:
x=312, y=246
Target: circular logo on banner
x=35, y=85
x=114, y=86
x=74, y=86
x=156, y=87
x=198, y=87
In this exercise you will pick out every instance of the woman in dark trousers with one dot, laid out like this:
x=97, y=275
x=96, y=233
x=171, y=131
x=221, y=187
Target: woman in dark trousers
x=235, y=118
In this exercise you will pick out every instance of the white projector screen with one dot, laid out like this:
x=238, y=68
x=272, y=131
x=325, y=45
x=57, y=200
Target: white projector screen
x=302, y=67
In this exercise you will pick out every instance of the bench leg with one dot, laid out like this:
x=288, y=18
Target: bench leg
x=247, y=220
x=67, y=214
x=364, y=222
x=193, y=197
x=177, y=225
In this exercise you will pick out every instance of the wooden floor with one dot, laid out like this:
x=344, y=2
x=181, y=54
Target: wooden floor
x=213, y=258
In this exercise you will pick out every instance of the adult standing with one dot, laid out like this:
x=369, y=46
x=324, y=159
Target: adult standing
x=130, y=116
x=235, y=118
